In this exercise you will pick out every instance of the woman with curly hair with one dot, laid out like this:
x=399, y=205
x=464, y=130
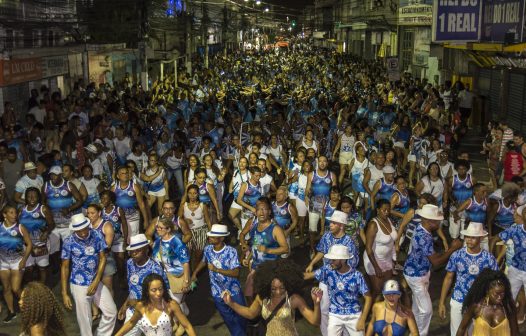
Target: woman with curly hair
x=40, y=311
x=277, y=285
x=490, y=306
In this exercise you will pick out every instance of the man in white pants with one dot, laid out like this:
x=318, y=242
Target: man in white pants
x=336, y=235
x=466, y=264
x=85, y=249
x=418, y=264
x=517, y=267
x=345, y=288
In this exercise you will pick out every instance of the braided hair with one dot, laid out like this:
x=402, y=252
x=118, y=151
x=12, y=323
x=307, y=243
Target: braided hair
x=41, y=307
x=486, y=280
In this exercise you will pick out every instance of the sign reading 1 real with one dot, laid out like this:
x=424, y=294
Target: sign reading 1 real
x=457, y=20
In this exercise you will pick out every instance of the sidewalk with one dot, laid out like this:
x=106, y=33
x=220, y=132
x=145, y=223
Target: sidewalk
x=472, y=143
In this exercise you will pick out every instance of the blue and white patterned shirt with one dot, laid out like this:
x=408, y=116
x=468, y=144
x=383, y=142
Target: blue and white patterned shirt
x=225, y=259
x=84, y=256
x=328, y=239
x=467, y=267
x=417, y=263
x=518, y=235
x=137, y=274
x=174, y=254
x=345, y=290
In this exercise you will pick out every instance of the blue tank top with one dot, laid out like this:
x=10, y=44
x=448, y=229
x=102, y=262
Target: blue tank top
x=379, y=326
x=125, y=198
x=265, y=238
x=157, y=184
x=252, y=193
x=386, y=190
x=321, y=185
x=462, y=190
x=11, y=241
x=35, y=223
x=115, y=219
x=58, y=197
x=504, y=218
x=282, y=215
x=99, y=230
x=204, y=195
x=329, y=210
x=404, y=202
x=476, y=212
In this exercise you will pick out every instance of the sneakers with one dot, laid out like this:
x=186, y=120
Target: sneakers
x=10, y=317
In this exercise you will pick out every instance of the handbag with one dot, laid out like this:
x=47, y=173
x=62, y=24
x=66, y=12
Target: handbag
x=262, y=327
x=176, y=282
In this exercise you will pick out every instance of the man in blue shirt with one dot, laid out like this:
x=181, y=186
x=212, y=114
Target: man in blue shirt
x=419, y=261
x=345, y=287
x=466, y=264
x=517, y=268
x=223, y=270
x=336, y=235
x=84, y=250
x=138, y=267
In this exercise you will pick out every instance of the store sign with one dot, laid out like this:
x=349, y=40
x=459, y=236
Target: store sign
x=415, y=15
x=502, y=18
x=20, y=70
x=54, y=66
x=456, y=20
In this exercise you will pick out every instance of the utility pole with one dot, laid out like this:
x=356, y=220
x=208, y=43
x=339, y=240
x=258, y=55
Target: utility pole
x=143, y=45
x=225, y=29
x=204, y=31
x=189, y=40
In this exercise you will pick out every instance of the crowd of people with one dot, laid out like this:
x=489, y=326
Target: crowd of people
x=249, y=164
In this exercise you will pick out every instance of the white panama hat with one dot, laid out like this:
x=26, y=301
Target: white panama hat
x=218, y=230
x=430, y=211
x=338, y=252
x=474, y=229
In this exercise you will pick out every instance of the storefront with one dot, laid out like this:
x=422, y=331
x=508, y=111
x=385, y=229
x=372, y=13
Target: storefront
x=20, y=75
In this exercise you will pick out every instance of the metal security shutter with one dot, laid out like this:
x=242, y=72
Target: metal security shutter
x=483, y=81
x=515, y=101
x=495, y=94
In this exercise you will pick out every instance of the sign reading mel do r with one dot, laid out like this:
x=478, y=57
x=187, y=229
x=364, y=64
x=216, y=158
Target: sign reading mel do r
x=456, y=20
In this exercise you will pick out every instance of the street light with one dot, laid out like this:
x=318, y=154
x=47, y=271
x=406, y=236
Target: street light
x=258, y=2
x=267, y=9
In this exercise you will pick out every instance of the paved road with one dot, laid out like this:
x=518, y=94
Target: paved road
x=208, y=322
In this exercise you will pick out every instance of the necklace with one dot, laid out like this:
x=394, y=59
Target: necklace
x=383, y=225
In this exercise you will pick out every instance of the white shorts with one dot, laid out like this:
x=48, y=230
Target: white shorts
x=9, y=263
x=314, y=218
x=411, y=158
x=301, y=207
x=345, y=158
x=56, y=236
x=118, y=246
x=235, y=205
x=399, y=144
x=42, y=261
x=159, y=193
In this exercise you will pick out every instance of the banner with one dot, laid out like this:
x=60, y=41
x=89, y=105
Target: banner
x=54, y=66
x=502, y=17
x=419, y=14
x=456, y=20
